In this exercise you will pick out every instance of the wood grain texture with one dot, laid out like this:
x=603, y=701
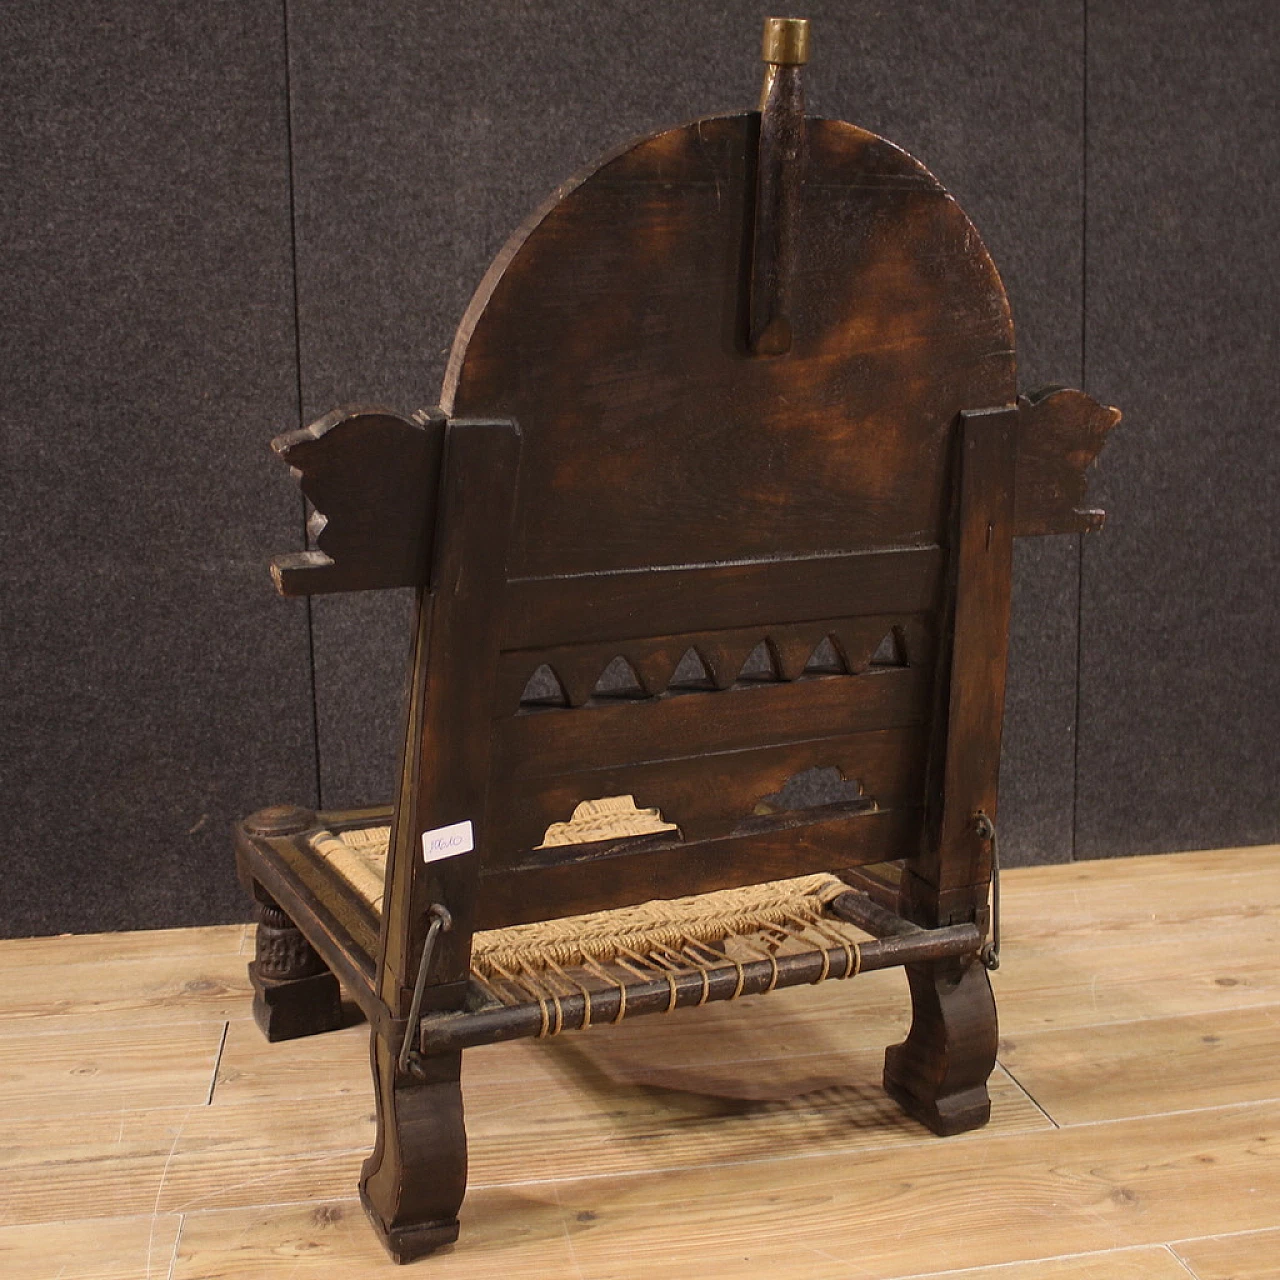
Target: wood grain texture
x=605, y=876
x=108, y=1165
x=1086, y=1188
x=1251, y=1255
x=540, y=743
x=101, y=948
x=965, y=782
x=722, y=1143
x=709, y=796
x=700, y=440
x=1061, y=908
x=91, y=1248
x=723, y=653
x=445, y=772
x=518, y=1231
x=1204, y=1060
x=780, y=164
x=185, y=988
x=1149, y=1263
x=677, y=597
x=50, y=1073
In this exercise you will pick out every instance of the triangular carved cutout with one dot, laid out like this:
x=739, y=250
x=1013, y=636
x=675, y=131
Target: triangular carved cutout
x=891, y=651
x=826, y=660
x=618, y=680
x=691, y=672
x=761, y=664
x=543, y=689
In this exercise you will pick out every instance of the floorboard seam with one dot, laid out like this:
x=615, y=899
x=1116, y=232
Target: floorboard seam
x=1228, y=1235
x=1060, y=1028
x=217, y=1063
x=1028, y=1094
x=1180, y=1260
x=1165, y=1115
x=983, y=1267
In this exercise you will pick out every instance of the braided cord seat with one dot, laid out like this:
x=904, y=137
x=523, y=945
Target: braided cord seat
x=586, y=955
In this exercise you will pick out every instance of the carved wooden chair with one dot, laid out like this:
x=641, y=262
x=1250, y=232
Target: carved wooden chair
x=732, y=421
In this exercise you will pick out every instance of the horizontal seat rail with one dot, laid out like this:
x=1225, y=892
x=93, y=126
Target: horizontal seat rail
x=448, y=1032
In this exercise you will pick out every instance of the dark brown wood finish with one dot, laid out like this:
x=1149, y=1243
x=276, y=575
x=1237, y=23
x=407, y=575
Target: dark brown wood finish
x=370, y=475
x=780, y=160
x=294, y=992
x=899, y=322
x=443, y=1033
x=709, y=795
x=1059, y=435
x=939, y=1072
x=970, y=746
x=603, y=877
x=763, y=376
x=619, y=732
x=412, y=1184
x=609, y=607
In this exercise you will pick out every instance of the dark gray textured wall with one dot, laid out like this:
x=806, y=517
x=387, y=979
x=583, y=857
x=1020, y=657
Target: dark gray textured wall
x=1179, y=688
x=152, y=687
x=215, y=213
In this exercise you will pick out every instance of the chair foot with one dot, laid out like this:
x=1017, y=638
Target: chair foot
x=294, y=994
x=938, y=1075
x=408, y=1244
x=413, y=1183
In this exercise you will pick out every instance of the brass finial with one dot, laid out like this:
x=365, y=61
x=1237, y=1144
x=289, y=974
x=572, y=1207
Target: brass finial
x=786, y=42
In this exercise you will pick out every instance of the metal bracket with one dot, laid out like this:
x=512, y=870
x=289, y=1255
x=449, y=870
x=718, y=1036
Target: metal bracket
x=986, y=829
x=410, y=1055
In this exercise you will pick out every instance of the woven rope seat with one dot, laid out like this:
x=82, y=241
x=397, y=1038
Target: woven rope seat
x=609, y=954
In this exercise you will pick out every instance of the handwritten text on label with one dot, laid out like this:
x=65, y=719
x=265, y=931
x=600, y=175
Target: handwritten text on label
x=446, y=842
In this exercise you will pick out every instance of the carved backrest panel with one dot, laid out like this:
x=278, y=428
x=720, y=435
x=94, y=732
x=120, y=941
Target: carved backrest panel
x=612, y=330
x=725, y=609
x=728, y=748
x=693, y=619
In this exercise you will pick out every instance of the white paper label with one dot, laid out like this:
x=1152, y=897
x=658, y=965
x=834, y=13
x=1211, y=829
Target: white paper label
x=446, y=842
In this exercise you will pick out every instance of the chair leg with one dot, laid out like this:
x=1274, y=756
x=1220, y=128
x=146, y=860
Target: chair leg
x=939, y=1073
x=294, y=994
x=412, y=1185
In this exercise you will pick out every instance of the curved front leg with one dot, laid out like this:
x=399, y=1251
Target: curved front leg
x=939, y=1073
x=413, y=1183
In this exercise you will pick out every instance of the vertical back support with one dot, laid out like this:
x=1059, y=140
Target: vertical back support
x=414, y=1181
x=939, y=1073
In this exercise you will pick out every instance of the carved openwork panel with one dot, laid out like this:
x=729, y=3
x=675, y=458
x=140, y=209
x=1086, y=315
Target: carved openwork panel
x=703, y=662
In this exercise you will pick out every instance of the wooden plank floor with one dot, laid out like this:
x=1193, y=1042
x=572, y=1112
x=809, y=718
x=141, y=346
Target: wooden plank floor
x=146, y=1129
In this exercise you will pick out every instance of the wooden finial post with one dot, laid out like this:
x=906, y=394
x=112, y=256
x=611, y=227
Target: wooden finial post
x=779, y=176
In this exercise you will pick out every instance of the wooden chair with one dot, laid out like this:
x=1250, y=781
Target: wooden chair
x=745, y=387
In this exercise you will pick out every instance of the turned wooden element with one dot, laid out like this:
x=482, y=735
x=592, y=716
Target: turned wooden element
x=281, y=953
x=780, y=159
x=294, y=992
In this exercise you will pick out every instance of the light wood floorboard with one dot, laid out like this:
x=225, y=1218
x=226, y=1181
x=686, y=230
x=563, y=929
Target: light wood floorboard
x=147, y=1129
x=1155, y=1263
x=1251, y=1255
x=91, y=1249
